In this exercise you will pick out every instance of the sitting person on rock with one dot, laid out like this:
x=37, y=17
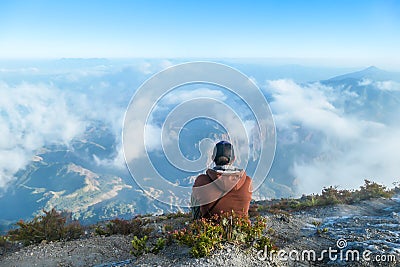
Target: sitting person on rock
x=223, y=188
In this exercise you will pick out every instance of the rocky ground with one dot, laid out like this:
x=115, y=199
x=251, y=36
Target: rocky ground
x=371, y=227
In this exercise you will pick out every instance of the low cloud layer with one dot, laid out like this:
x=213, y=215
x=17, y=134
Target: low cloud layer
x=351, y=148
x=39, y=108
x=311, y=106
x=32, y=116
x=347, y=148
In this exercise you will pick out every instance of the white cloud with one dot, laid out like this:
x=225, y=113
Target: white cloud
x=370, y=158
x=178, y=97
x=351, y=149
x=11, y=160
x=19, y=70
x=149, y=67
x=381, y=85
x=388, y=86
x=311, y=106
x=165, y=64
x=365, y=82
x=152, y=137
x=136, y=134
x=145, y=68
x=118, y=161
x=32, y=116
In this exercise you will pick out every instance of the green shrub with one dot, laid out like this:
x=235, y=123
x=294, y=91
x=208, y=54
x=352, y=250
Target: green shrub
x=331, y=196
x=318, y=230
x=205, y=235
x=3, y=241
x=140, y=246
x=254, y=210
x=167, y=228
x=178, y=214
x=373, y=190
x=136, y=227
x=158, y=246
x=264, y=243
x=51, y=226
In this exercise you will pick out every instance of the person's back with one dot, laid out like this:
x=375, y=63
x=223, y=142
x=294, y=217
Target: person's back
x=223, y=188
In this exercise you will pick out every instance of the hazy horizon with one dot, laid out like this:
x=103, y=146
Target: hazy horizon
x=350, y=33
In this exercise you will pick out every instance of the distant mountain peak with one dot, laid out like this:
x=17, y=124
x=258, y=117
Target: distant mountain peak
x=372, y=68
x=371, y=73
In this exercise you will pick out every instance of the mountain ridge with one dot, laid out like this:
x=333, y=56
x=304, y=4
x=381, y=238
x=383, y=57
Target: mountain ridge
x=371, y=73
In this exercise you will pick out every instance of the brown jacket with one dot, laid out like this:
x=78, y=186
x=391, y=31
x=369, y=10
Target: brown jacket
x=233, y=187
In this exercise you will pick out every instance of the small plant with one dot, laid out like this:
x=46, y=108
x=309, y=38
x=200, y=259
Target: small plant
x=254, y=210
x=51, y=226
x=178, y=214
x=136, y=227
x=158, y=246
x=140, y=246
x=316, y=223
x=205, y=235
x=167, y=228
x=318, y=230
x=264, y=243
x=72, y=230
x=100, y=231
x=3, y=241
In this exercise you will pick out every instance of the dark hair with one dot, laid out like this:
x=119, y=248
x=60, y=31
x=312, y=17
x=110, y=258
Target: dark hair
x=223, y=153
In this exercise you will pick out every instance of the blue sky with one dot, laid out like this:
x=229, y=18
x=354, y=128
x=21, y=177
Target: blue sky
x=340, y=32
